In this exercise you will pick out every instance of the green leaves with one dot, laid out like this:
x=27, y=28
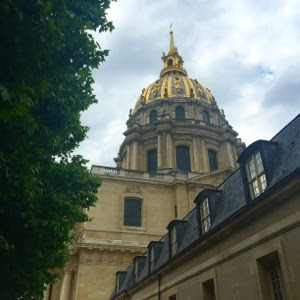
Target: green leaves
x=46, y=61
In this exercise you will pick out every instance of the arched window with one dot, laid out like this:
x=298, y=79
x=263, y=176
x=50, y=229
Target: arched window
x=152, y=160
x=183, y=158
x=179, y=113
x=153, y=116
x=133, y=212
x=205, y=116
x=170, y=62
x=212, y=158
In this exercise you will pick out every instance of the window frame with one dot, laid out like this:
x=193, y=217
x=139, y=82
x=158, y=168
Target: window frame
x=265, y=277
x=173, y=241
x=148, y=152
x=256, y=176
x=152, y=258
x=152, y=114
x=209, y=289
x=204, y=213
x=205, y=117
x=135, y=270
x=210, y=162
x=179, y=110
x=140, y=215
x=189, y=157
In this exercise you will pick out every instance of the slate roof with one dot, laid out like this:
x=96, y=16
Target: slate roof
x=283, y=162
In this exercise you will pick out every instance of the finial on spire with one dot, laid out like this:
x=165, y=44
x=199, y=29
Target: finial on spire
x=172, y=44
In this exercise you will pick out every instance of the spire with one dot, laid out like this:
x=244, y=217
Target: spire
x=172, y=61
x=172, y=44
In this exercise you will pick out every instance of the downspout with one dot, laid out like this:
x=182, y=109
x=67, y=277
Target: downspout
x=159, y=281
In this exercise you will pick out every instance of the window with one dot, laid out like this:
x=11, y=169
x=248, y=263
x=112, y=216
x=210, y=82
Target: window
x=205, y=117
x=152, y=258
x=179, y=113
x=183, y=158
x=204, y=215
x=212, y=158
x=208, y=290
x=271, y=277
x=170, y=62
x=255, y=175
x=136, y=271
x=118, y=283
x=152, y=160
x=153, y=116
x=173, y=297
x=132, y=212
x=173, y=241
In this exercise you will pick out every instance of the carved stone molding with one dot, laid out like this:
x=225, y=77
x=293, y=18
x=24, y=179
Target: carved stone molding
x=134, y=189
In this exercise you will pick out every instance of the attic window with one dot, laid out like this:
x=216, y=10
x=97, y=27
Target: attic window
x=173, y=241
x=170, y=62
x=204, y=215
x=152, y=258
x=255, y=175
x=136, y=271
x=118, y=283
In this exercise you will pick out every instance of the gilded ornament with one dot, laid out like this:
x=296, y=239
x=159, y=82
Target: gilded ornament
x=178, y=86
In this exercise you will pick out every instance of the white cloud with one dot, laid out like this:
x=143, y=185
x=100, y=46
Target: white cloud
x=246, y=52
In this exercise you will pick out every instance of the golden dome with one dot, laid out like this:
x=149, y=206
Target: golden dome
x=173, y=82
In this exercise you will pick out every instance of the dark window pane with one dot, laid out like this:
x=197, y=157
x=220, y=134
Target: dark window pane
x=170, y=62
x=153, y=116
x=205, y=117
x=179, y=111
x=152, y=160
x=212, y=157
x=183, y=158
x=132, y=212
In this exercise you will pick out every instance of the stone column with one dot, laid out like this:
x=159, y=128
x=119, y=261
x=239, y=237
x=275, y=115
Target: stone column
x=159, y=151
x=128, y=159
x=134, y=155
x=230, y=155
x=195, y=155
x=204, y=156
x=169, y=151
x=66, y=286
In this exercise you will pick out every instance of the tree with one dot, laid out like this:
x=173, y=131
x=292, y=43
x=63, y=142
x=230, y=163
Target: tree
x=47, y=54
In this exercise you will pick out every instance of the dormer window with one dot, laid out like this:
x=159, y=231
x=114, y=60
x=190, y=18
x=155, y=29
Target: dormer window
x=136, y=271
x=120, y=278
x=118, y=283
x=152, y=258
x=173, y=241
x=255, y=175
x=154, y=248
x=204, y=215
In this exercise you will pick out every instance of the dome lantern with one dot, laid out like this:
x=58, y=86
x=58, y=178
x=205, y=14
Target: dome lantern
x=172, y=62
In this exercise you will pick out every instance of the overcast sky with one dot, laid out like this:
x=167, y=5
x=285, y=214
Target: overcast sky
x=246, y=52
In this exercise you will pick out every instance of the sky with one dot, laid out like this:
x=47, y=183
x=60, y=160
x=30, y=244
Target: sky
x=246, y=52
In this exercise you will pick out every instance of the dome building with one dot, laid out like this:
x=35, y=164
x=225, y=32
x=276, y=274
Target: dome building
x=177, y=143
x=176, y=125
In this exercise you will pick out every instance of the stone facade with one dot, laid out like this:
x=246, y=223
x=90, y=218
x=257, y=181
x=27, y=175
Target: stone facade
x=105, y=245
x=249, y=248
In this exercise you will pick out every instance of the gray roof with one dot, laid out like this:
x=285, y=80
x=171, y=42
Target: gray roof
x=283, y=162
